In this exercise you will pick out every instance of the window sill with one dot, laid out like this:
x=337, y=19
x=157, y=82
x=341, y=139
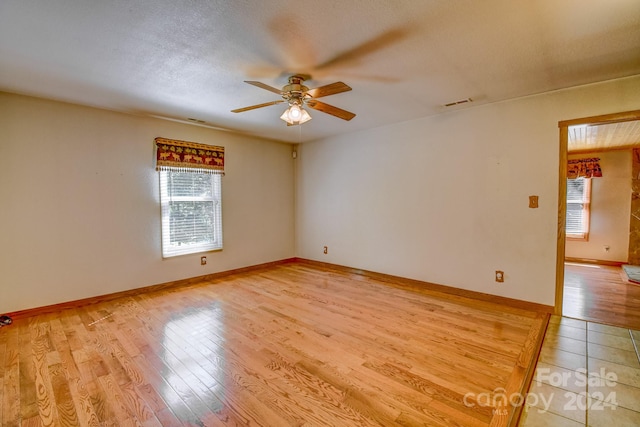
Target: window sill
x=578, y=237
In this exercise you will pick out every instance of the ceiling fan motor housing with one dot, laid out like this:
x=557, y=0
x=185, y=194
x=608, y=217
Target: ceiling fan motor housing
x=295, y=90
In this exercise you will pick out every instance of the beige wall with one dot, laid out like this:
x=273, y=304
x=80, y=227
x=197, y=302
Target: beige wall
x=441, y=199
x=80, y=213
x=610, y=210
x=445, y=198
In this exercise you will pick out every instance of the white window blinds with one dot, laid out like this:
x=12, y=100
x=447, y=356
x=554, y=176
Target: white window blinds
x=191, y=203
x=578, y=200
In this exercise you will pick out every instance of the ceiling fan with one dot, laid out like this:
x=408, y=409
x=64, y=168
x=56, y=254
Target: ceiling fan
x=297, y=95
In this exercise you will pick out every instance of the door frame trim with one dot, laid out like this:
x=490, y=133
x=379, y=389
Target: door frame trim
x=562, y=187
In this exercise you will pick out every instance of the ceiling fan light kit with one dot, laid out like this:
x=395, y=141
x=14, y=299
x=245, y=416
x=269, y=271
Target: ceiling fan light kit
x=297, y=95
x=295, y=115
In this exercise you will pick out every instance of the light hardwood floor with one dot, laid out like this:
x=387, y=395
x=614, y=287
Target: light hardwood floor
x=600, y=293
x=289, y=345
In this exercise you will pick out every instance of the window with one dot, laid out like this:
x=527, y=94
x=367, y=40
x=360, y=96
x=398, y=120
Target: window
x=578, y=206
x=190, y=196
x=191, y=211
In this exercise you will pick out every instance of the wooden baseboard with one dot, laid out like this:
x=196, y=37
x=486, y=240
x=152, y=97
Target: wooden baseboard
x=528, y=360
x=525, y=305
x=594, y=261
x=133, y=292
x=510, y=302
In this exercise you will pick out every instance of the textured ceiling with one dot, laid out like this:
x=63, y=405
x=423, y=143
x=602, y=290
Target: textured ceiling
x=404, y=59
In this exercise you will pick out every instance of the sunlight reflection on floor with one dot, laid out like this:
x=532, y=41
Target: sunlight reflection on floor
x=195, y=356
x=582, y=265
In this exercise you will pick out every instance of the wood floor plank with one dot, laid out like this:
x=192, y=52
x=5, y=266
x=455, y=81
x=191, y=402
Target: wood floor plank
x=41, y=346
x=11, y=377
x=35, y=421
x=65, y=405
x=3, y=349
x=111, y=388
x=84, y=411
x=286, y=345
x=600, y=293
x=87, y=415
x=28, y=399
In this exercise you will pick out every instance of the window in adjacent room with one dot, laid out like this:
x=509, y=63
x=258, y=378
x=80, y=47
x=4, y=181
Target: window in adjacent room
x=578, y=208
x=190, y=196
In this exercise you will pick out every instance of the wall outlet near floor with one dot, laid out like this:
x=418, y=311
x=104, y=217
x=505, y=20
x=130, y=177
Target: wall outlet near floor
x=203, y=260
x=499, y=276
x=606, y=248
x=325, y=250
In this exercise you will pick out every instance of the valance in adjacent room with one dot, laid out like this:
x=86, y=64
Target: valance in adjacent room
x=586, y=168
x=175, y=154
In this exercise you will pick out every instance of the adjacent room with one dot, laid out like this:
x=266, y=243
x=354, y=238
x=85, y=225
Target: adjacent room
x=602, y=247
x=355, y=213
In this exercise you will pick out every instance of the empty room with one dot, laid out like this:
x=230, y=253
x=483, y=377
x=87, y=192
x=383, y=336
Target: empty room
x=299, y=213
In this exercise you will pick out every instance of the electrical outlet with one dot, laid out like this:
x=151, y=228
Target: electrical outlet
x=533, y=202
x=606, y=248
x=499, y=276
x=203, y=260
x=325, y=250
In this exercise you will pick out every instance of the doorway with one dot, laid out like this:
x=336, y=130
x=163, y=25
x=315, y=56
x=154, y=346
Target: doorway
x=591, y=280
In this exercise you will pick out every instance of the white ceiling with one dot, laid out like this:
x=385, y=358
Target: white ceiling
x=404, y=59
x=602, y=137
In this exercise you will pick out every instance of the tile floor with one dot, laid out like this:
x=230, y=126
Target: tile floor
x=588, y=374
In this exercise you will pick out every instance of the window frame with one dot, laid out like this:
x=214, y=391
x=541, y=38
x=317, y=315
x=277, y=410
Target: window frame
x=586, y=212
x=169, y=250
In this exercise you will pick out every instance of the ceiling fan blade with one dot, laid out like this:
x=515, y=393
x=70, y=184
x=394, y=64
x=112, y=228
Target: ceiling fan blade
x=330, y=109
x=264, y=86
x=332, y=89
x=357, y=53
x=253, y=107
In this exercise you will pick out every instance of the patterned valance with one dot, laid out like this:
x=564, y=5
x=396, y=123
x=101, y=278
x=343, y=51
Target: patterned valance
x=172, y=153
x=588, y=168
